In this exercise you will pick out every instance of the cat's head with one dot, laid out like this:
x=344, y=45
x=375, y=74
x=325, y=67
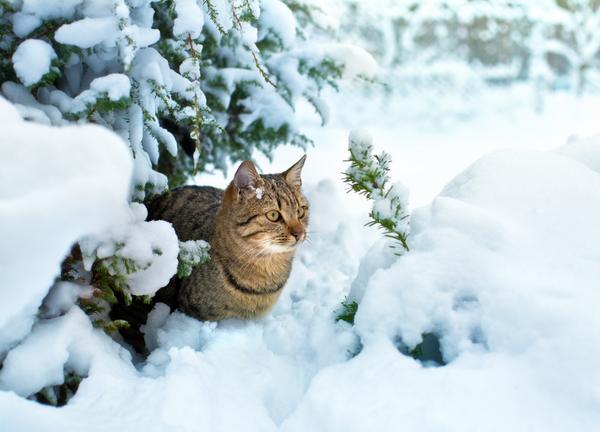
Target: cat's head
x=269, y=212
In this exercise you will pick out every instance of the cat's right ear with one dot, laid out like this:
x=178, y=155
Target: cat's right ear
x=246, y=177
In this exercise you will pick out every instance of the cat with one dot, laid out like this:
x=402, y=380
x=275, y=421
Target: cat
x=253, y=227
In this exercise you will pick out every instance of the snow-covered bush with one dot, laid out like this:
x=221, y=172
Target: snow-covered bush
x=191, y=254
x=368, y=174
x=186, y=82
x=56, y=185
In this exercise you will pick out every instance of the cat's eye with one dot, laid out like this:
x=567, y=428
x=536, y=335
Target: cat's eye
x=273, y=215
x=301, y=212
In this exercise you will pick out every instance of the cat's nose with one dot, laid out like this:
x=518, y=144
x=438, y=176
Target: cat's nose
x=297, y=231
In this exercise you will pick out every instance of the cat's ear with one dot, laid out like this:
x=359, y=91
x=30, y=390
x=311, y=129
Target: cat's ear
x=246, y=177
x=292, y=174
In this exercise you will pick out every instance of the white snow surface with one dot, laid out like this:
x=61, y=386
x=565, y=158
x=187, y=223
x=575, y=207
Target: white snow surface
x=276, y=17
x=190, y=18
x=46, y=173
x=87, y=32
x=115, y=85
x=153, y=246
x=503, y=267
x=32, y=60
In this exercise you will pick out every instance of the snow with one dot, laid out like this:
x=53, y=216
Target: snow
x=190, y=18
x=153, y=247
x=359, y=141
x=502, y=266
x=42, y=215
x=61, y=298
x=222, y=9
x=501, y=263
x=51, y=8
x=276, y=17
x=583, y=150
x=24, y=23
x=116, y=86
x=87, y=32
x=28, y=107
x=32, y=60
x=68, y=349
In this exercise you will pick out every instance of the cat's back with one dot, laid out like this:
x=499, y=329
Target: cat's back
x=191, y=210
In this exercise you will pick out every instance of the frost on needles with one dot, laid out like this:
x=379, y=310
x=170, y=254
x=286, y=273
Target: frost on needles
x=368, y=174
x=186, y=83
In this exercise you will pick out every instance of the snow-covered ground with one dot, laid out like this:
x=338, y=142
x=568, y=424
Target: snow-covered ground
x=504, y=267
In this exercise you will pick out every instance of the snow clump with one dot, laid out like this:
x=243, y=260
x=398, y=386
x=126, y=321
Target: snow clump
x=32, y=60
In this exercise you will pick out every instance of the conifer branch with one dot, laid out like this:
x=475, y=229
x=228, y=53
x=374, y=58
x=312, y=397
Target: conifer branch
x=368, y=175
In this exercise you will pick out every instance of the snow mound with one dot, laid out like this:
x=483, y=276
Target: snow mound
x=151, y=246
x=32, y=60
x=46, y=174
x=503, y=269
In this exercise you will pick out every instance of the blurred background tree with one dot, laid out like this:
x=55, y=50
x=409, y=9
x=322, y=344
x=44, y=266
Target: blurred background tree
x=457, y=45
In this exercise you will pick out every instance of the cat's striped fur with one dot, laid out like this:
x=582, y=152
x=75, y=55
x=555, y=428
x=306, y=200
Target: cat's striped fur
x=253, y=228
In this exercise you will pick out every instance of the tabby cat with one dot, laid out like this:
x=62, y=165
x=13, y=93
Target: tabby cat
x=253, y=227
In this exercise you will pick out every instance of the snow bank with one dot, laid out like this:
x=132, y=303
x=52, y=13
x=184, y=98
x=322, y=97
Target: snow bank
x=199, y=373
x=56, y=185
x=503, y=268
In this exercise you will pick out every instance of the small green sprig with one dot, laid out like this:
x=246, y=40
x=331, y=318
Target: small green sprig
x=192, y=253
x=368, y=175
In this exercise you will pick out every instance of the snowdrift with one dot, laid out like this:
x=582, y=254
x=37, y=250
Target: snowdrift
x=503, y=269
x=56, y=185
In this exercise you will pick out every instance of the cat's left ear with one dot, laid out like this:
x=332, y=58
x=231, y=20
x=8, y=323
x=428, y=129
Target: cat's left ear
x=246, y=176
x=292, y=174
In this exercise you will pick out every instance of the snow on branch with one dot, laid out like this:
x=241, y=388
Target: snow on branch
x=368, y=175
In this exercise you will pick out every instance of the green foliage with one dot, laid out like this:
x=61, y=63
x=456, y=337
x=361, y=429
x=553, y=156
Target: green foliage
x=111, y=327
x=428, y=351
x=192, y=253
x=347, y=312
x=110, y=277
x=305, y=14
x=49, y=77
x=59, y=395
x=368, y=175
x=209, y=118
x=326, y=73
x=231, y=136
x=214, y=16
x=417, y=351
